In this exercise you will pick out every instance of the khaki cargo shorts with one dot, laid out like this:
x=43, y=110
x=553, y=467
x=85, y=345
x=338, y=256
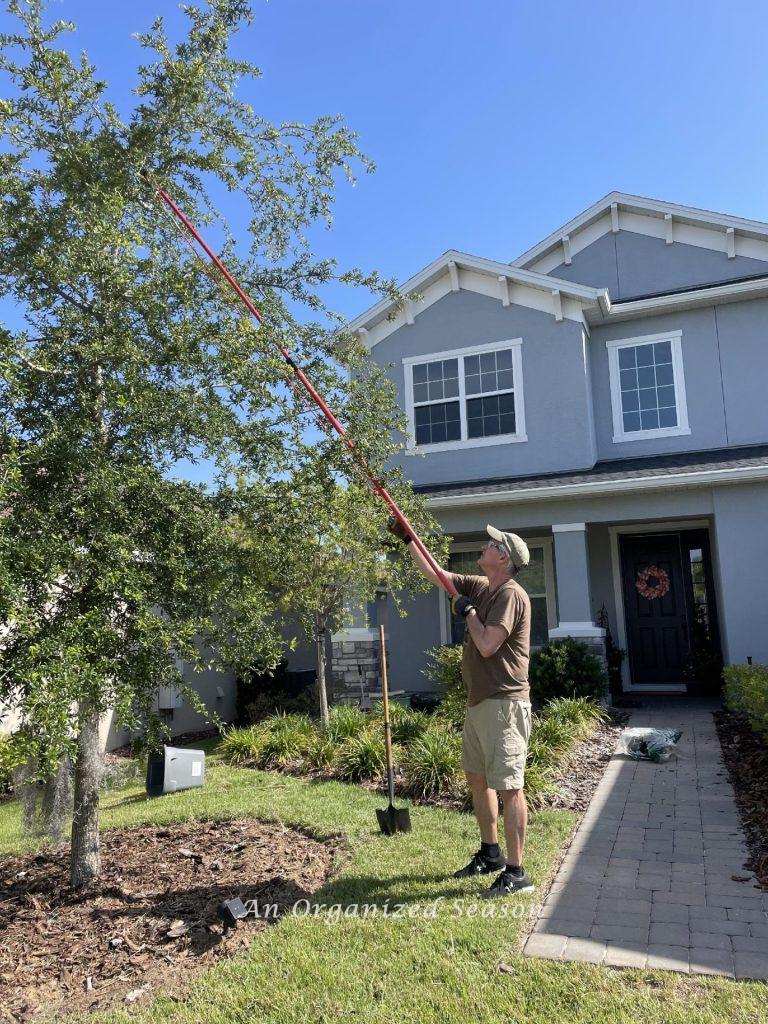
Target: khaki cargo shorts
x=494, y=742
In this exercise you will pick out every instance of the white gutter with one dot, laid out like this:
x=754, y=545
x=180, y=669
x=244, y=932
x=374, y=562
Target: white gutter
x=599, y=488
x=733, y=292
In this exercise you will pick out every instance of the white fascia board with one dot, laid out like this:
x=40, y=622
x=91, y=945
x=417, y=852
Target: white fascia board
x=449, y=266
x=737, y=291
x=636, y=213
x=599, y=488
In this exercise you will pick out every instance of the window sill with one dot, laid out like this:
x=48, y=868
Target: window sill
x=649, y=435
x=475, y=442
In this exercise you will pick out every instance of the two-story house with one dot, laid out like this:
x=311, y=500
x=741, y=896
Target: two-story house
x=605, y=395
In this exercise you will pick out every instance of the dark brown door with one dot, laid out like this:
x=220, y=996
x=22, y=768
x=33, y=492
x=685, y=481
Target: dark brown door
x=656, y=608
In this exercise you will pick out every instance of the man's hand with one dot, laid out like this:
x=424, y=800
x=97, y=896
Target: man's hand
x=461, y=605
x=396, y=527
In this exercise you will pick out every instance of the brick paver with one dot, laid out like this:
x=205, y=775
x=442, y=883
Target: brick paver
x=647, y=879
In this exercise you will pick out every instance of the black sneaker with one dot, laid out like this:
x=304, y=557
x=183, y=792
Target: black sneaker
x=508, y=884
x=480, y=865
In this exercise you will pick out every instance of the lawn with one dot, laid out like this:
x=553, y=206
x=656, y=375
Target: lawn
x=308, y=969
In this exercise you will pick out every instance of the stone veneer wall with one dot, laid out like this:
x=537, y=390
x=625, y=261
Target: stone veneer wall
x=353, y=662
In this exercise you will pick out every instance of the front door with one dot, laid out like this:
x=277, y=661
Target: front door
x=656, y=607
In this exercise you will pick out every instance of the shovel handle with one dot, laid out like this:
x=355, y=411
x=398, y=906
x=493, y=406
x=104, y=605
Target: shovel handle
x=387, y=727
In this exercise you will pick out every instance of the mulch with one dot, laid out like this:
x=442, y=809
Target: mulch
x=745, y=754
x=150, y=921
x=577, y=778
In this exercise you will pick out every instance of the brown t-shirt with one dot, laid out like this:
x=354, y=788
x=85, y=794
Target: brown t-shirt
x=505, y=673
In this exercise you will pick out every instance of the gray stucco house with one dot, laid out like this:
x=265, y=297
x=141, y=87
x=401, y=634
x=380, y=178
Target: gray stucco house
x=605, y=395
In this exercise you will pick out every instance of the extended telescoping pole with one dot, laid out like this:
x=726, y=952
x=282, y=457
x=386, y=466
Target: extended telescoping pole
x=375, y=483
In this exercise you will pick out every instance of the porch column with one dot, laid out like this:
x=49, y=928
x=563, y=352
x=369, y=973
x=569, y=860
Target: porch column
x=574, y=597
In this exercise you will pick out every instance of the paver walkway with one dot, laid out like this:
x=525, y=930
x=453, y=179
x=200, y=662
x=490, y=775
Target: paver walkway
x=647, y=881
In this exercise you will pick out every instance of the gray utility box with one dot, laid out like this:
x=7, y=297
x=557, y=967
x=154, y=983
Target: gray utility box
x=176, y=768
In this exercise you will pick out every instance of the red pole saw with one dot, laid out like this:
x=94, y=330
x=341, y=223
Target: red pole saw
x=374, y=483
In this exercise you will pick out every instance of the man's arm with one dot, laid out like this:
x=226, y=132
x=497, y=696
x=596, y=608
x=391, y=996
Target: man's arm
x=487, y=639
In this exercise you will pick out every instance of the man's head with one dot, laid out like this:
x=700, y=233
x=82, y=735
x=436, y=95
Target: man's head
x=503, y=550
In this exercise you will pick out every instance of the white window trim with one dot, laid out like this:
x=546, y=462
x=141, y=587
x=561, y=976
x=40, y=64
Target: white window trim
x=549, y=583
x=619, y=434
x=476, y=442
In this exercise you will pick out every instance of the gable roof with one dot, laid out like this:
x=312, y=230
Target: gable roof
x=618, y=211
x=459, y=270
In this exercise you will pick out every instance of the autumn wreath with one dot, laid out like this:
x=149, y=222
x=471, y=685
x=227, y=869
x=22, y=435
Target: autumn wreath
x=649, y=590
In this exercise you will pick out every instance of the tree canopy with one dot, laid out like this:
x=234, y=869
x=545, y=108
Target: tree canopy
x=130, y=358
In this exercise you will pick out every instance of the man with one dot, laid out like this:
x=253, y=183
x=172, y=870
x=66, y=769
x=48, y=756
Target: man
x=497, y=724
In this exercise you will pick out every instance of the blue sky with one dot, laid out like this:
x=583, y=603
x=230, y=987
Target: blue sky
x=492, y=123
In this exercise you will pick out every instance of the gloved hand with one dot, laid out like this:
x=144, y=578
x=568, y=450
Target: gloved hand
x=396, y=527
x=461, y=605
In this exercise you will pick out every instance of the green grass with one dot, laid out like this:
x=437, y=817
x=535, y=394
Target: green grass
x=307, y=970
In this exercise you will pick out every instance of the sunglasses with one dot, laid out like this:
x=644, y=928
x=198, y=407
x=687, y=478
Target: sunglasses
x=493, y=544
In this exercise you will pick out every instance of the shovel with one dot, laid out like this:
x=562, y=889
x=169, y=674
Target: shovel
x=391, y=819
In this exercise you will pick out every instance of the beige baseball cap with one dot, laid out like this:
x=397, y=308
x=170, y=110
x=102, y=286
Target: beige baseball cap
x=515, y=546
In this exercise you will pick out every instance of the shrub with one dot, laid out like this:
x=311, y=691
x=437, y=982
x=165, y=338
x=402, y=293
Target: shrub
x=432, y=764
x=346, y=722
x=553, y=733
x=243, y=746
x=445, y=669
x=565, y=668
x=320, y=753
x=288, y=738
x=407, y=725
x=581, y=713
x=746, y=690
x=361, y=757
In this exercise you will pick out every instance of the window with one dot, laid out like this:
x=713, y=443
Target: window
x=466, y=398
x=647, y=387
x=532, y=578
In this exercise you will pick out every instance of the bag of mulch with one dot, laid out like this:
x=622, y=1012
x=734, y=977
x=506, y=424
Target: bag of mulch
x=655, y=745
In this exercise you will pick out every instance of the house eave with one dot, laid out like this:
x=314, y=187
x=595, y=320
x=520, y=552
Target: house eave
x=710, y=296
x=603, y=488
x=453, y=260
x=624, y=201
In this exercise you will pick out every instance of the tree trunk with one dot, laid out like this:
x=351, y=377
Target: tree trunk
x=320, y=651
x=85, y=863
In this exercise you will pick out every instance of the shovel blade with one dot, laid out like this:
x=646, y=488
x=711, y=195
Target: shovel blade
x=394, y=819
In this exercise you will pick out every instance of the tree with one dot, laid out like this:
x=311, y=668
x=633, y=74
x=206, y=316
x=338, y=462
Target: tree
x=130, y=358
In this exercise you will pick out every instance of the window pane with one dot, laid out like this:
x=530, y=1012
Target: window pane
x=539, y=624
x=628, y=380
x=644, y=355
x=664, y=374
x=420, y=393
x=531, y=578
x=488, y=362
x=505, y=380
x=663, y=351
x=631, y=421
x=506, y=403
x=648, y=398
x=471, y=364
x=420, y=373
x=435, y=390
x=504, y=359
x=451, y=388
x=472, y=384
x=667, y=418
x=649, y=419
x=434, y=371
x=451, y=368
x=507, y=424
x=630, y=401
x=627, y=358
x=488, y=381
x=646, y=378
x=666, y=397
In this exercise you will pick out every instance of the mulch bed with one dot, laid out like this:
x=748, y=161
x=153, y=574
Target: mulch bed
x=745, y=754
x=578, y=777
x=150, y=920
